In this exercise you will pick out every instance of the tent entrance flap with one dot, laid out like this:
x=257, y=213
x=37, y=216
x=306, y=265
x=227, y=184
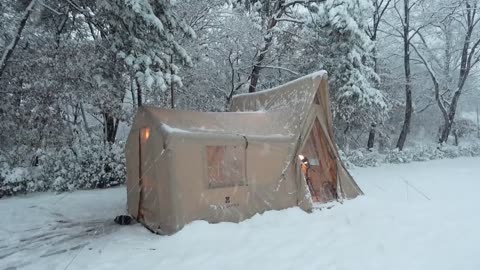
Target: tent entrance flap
x=318, y=167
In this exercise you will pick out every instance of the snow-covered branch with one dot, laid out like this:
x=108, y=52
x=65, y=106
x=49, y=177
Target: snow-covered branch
x=54, y=11
x=433, y=76
x=281, y=68
x=289, y=20
x=292, y=3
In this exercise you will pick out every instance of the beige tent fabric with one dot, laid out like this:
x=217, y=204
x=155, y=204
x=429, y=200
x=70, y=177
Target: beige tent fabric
x=264, y=124
x=185, y=166
x=301, y=95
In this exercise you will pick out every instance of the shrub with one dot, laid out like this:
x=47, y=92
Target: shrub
x=364, y=158
x=83, y=166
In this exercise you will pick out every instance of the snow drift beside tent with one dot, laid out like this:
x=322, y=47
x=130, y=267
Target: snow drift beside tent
x=184, y=166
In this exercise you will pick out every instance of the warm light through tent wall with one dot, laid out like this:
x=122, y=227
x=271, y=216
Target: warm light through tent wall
x=145, y=134
x=303, y=159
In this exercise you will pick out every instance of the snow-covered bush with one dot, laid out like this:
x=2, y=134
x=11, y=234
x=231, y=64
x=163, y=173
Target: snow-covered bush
x=20, y=180
x=364, y=158
x=472, y=150
x=12, y=181
x=465, y=127
x=419, y=153
x=83, y=166
x=469, y=150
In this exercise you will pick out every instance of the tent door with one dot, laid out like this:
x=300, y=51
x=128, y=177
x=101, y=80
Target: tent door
x=318, y=166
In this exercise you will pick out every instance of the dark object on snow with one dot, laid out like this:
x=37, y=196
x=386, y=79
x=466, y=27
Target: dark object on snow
x=124, y=220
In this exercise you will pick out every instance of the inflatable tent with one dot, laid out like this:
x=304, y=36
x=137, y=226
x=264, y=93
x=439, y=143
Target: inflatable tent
x=274, y=150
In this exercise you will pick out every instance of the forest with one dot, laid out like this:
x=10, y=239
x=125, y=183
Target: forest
x=403, y=76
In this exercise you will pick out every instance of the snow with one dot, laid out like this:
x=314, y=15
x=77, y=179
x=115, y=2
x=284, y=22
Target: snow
x=173, y=130
x=15, y=175
x=170, y=129
x=472, y=116
x=413, y=216
x=312, y=76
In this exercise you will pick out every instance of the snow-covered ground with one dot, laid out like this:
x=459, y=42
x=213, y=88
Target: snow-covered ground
x=415, y=216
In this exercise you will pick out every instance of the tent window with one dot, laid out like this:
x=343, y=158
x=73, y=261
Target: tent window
x=225, y=166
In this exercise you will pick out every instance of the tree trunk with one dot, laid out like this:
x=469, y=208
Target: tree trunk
x=465, y=66
x=111, y=123
x=455, y=133
x=447, y=126
x=139, y=93
x=233, y=89
x=11, y=47
x=75, y=114
x=84, y=119
x=379, y=10
x=371, y=137
x=478, y=124
x=132, y=89
x=408, y=87
x=172, y=84
x=110, y=129
x=346, y=138
x=60, y=28
x=257, y=66
x=451, y=117
x=406, y=123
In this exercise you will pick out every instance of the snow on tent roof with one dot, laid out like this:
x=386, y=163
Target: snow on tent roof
x=277, y=112
x=295, y=95
x=269, y=124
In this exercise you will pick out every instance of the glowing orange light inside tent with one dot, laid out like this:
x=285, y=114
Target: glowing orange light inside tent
x=145, y=134
x=303, y=159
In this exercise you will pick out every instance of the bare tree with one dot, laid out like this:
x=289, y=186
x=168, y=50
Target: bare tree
x=469, y=57
x=282, y=11
x=407, y=34
x=379, y=8
x=11, y=47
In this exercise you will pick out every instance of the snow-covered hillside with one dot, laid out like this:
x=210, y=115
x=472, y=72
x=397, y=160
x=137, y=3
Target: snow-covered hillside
x=414, y=216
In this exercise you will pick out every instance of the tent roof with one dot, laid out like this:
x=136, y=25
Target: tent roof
x=296, y=96
x=277, y=112
x=268, y=124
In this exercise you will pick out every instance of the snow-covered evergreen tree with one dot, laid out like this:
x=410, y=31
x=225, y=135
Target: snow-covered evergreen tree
x=340, y=45
x=143, y=34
